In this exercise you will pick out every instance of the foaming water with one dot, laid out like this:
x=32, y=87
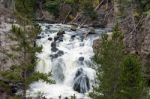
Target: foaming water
x=68, y=56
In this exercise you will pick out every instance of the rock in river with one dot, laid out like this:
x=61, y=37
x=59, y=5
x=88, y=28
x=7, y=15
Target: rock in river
x=81, y=82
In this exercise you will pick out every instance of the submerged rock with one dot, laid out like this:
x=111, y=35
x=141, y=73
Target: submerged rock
x=58, y=70
x=81, y=82
x=48, y=27
x=54, y=56
x=79, y=72
x=54, y=49
x=82, y=44
x=73, y=36
x=60, y=39
x=82, y=38
x=53, y=44
x=60, y=33
x=60, y=53
x=56, y=38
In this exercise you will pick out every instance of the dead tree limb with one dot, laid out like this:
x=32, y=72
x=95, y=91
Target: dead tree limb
x=140, y=21
x=78, y=16
x=99, y=5
x=67, y=16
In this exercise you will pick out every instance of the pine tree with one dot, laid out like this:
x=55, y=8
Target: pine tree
x=119, y=74
x=25, y=8
x=24, y=57
x=108, y=56
x=131, y=78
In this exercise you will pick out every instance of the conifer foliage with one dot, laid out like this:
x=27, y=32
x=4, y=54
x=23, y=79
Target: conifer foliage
x=131, y=78
x=24, y=52
x=119, y=74
x=109, y=57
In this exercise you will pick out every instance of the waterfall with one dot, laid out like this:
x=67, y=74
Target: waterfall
x=68, y=56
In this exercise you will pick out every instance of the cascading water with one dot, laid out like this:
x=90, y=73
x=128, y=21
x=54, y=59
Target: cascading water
x=68, y=56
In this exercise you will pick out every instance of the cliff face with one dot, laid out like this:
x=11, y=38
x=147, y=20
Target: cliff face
x=145, y=42
x=136, y=28
x=134, y=22
x=137, y=39
x=145, y=46
x=139, y=42
x=7, y=4
x=6, y=20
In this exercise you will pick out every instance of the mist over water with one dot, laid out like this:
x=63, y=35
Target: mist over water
x=67, y=55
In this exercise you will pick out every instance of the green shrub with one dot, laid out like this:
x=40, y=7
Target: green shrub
x=88, y=9
x=53, y=7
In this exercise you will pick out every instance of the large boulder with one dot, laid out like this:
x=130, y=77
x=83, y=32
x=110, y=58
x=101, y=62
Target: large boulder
x=74, y=27
x=60, y=33
x=91, y=30
x=81, y=58
x=50, y=39
x=59, y=36
x=81, y=82
x=58, y=54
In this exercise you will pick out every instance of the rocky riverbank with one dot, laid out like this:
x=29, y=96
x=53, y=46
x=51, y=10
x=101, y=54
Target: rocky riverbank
x=6, y=20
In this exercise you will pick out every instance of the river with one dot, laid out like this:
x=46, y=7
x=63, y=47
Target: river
x=67, y=55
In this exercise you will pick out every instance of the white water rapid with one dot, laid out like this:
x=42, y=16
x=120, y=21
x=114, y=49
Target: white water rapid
x=68, y=56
